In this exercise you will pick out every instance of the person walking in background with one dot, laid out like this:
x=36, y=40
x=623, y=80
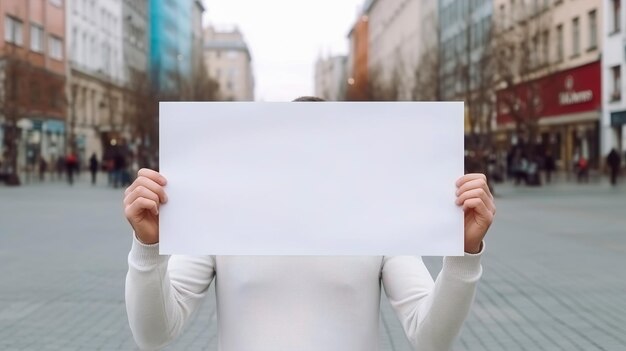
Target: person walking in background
x=43, y=167
x=119, y=165
x=583, y=169
x=60, y=167
x=549, y=165
x=614, y=162
x=70, y=166
x=93, y=167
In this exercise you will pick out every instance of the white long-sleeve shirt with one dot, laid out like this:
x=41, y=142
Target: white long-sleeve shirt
x=298, y=302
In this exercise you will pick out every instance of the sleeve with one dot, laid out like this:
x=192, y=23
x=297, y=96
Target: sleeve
x=431, y=313
x=162, y=292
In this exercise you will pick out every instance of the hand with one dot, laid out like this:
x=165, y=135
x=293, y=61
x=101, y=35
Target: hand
x=474, y=195
x=141, y=204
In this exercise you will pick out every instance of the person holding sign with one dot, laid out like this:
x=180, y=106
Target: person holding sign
x=299, y=302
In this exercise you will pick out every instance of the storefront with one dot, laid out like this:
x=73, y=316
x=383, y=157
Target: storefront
x=565, y=110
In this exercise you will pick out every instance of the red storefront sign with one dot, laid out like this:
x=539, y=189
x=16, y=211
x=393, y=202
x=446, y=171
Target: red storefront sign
x=570, y=91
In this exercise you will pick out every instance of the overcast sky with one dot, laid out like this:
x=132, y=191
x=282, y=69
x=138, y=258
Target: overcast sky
x=285, y=37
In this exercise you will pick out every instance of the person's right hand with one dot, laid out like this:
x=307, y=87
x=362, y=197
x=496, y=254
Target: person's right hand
x=141, y=204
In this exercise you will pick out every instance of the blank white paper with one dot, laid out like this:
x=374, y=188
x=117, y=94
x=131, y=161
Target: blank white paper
x=311, y=178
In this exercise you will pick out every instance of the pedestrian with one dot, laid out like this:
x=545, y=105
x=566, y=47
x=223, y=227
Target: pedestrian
x=70, y=166
x=614, y=162
x=583, y=169
x=43, y=168
x=298, y=303
x=119, y=165
x=549, y=165
x=93, y=167
x=60, y=167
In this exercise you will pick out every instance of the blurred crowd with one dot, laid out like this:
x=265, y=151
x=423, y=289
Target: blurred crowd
x=118, y=168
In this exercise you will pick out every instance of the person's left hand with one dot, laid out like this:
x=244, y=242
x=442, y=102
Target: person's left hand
x=474, y=195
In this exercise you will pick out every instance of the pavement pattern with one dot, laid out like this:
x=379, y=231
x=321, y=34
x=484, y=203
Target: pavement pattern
x=554, y=272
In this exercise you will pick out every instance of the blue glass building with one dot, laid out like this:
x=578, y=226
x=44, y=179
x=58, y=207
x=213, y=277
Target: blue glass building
x=170, y=44
x=465, y=26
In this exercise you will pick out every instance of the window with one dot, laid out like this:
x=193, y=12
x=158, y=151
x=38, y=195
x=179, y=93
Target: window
x=546, y=47
x=55, y=48
x=616, y=74
x=576, y=36
x=512, y=14
x=616, y=17
x=503, y=15
x=559, y=43
x=534, y=56
x=36, y=38
x=13, y=31
x=57, y=3
x=593, y=30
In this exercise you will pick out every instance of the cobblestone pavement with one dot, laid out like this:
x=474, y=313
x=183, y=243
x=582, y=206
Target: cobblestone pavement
x=554, y=273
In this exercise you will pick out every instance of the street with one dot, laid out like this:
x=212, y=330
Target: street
x=554, y=272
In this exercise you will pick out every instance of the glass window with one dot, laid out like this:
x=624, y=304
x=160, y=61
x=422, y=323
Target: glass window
x=616, y=74
x=57, y=3
x=616, y=17
x=36, y=38
x=13, y=31
x=546, y=47
x=575, y=36
x=55, y=48
x=593, y=30
x=559, y=43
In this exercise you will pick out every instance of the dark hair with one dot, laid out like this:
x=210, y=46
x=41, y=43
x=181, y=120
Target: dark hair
x=308, y=98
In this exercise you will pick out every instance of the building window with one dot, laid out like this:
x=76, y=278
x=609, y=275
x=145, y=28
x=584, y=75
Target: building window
x=55, y=48
x=534, y=56
x=616, y=74
x=57, y=3
x=593, y=30
x=576, y=36
x=559, y=43
x=546, y=47
x=13, y=31
x=36, y=38
x=616, y=17
x=511, y=14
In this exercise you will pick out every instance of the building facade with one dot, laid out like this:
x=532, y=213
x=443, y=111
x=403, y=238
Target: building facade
x=396, y=31
x=228, y=60
x=331, y=78
x=463, y=34
x=613, y=124
x=135, y=29
x=197, y=54
x=32, y=81
x=357, y=68
x=97, y=77
x=555, y=79
x=171, y=42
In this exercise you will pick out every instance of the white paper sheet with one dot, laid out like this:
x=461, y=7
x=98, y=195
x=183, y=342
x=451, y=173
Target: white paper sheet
x=311, y=178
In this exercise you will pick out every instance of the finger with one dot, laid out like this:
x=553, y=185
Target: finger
x=139, y=205
x=141, y=191
x=469, y=177
x=479, y=206
x=150, y=185
x=474, y=184
x=152, y=175
x=475, y=193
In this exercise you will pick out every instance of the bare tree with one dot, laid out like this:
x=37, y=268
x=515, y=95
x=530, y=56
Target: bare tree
x=426, y=73
x=521, y=57
x=384, y=87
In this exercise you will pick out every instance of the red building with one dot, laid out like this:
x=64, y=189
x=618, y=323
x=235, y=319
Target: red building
x=358, y=85
x=32, y=56
x=567, y=108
